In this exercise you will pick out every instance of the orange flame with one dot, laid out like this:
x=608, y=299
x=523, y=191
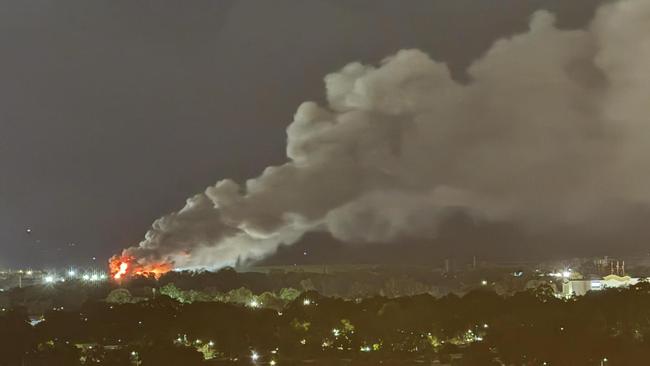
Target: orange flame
x=126, y=266
x=122, y=271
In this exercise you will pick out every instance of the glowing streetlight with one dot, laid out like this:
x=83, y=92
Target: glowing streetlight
x=254, y=356
x=49, y=279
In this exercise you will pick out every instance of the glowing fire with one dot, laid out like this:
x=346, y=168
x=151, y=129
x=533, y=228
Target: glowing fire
x=125, y=266
x=122, y=271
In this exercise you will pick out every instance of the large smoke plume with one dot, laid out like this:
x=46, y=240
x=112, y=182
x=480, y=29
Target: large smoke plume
x=553, y=127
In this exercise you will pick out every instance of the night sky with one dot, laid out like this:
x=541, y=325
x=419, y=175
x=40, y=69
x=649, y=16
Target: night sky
x=112, y=113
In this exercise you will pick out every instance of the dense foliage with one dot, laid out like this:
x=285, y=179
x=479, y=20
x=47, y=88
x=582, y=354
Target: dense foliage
x=481, y=328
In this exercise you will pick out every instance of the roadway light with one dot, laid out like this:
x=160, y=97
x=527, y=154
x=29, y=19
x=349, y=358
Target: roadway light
x=254, y=356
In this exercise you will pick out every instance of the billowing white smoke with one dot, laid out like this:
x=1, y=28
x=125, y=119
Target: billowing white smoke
x=553, y=127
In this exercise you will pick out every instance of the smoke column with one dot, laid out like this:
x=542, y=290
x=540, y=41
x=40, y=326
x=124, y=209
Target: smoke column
x=553, y=127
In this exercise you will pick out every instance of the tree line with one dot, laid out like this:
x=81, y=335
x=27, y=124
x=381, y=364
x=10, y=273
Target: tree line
x=531, y=327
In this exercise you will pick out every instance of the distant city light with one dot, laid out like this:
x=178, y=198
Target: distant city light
x=306, y=302
x=272, y=363
x=254, y=356
x=336, y=332
x=49, y=279
x=72, y=273
x=86, y=277
x=254, y=304
x=484, y=282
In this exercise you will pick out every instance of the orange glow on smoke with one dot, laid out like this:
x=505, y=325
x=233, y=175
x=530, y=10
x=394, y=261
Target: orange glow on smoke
x=125, y=266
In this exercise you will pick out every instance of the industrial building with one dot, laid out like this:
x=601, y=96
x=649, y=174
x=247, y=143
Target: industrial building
x=579, y=287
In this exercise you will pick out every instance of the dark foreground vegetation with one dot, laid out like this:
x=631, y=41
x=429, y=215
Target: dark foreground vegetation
x=531, y=327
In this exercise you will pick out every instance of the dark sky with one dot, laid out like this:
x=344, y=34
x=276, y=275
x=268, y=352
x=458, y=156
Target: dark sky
x=113, y=112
